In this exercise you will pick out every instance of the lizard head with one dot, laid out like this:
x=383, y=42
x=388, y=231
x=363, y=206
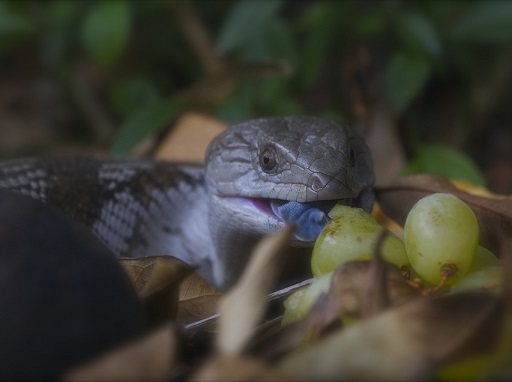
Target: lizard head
x=268, y=172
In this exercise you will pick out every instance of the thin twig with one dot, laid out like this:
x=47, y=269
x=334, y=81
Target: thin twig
x=98, y=118
x=198, y=38
x=284, y=292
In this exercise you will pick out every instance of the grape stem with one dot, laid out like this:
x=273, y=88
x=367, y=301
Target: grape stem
x=447, y=272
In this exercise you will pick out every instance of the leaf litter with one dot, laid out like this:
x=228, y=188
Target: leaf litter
x=371, y=323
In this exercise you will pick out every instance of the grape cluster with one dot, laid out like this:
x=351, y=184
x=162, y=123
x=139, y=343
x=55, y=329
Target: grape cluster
x=440, y=249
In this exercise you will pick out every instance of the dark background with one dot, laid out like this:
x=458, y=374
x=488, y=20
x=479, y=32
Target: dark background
x=426, y=82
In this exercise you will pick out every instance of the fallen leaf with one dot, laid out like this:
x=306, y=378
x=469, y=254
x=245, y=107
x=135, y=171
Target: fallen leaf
x=151, y=358
x=243, y=306
x=354, y=290
x=376, y=297
x=153, y=273
x=198, y=300
x=494, y=214
x=189, y=138
x=233, y=368
x=157, y=281
x=350, y=294
x=408, y=342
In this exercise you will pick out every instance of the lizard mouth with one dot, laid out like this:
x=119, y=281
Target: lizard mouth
x=309, y=217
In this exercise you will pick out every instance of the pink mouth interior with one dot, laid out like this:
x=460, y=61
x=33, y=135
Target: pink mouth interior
x=264, y=206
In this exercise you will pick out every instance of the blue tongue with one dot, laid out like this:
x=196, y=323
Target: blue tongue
x=308, y=218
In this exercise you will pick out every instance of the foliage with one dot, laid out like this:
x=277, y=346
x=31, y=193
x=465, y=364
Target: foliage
x=418, y=57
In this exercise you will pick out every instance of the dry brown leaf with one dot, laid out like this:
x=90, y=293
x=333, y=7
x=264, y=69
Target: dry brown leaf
x=150, y=358
x=198, y=300
x=243, y=306
x=376, y=297
x=405, y=343
x=157, y=281
x=494, y=213
x=349, y=295
x=187, y=141
x=231, y=368
x=361, y=289
x=154, y=273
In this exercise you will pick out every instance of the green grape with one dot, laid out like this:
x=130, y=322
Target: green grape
x=299, y=303
x=350, y=235
x=485, y=274
x=489, y=278
x=441, y=238
x=483, y=258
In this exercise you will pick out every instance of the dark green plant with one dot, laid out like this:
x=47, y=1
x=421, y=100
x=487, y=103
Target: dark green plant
x=274, y=57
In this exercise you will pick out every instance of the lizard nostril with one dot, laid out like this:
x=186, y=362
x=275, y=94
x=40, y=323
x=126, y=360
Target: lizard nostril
x=316, y=183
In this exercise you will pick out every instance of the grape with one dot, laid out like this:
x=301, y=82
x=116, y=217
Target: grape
x=350, y=235
x=441, y=238
x=486, y=273
x=483, y=258
x=299, y=303
x=489, y=278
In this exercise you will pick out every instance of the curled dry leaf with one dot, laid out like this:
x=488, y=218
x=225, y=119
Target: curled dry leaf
x=505, y=253
x=198, y=300
x=188, y=139
x=150, y=358
x=157, y=281
x=231, y=368
x=494, y=212
x=351, y=292
x=376, y=298
x=243, y=306
x=353, y=289
x=154, y=273
x=405, y=343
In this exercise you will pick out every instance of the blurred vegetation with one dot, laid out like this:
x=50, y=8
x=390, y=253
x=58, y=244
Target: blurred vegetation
x=110, y=73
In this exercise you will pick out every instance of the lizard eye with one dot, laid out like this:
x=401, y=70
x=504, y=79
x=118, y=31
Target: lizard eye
x=268, y=159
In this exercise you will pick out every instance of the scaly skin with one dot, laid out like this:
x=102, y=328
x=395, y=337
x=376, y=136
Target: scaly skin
x=210, y=217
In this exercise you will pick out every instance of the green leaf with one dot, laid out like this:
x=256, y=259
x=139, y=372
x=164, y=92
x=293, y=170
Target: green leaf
x=405, y=77
x=314, y=52
x=267, y=91
x=446, y=162
x=15, y=26
x=12, y=23
x=58, y=41
x=318, y=27
x=371, y=24
x=131, y=93
x=106, y=30
x=238, y=107
x=61, y=13
x=419, y=33
x=273, y=40
x=246, y=18
x=142, y=123
x=287, y=106
x=486, y=21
